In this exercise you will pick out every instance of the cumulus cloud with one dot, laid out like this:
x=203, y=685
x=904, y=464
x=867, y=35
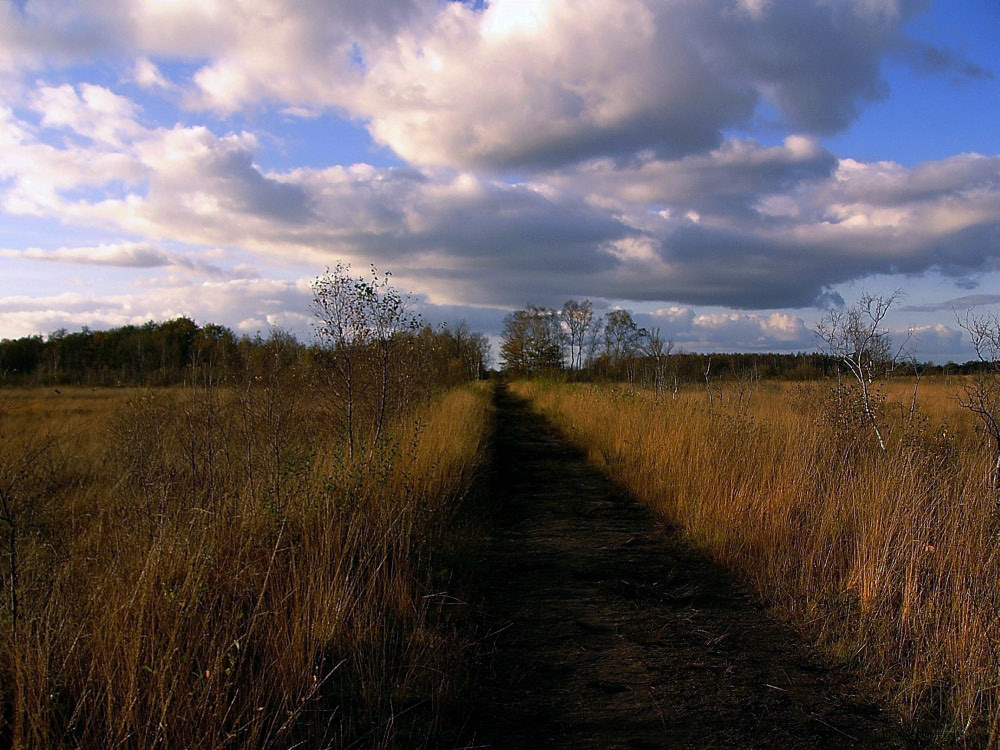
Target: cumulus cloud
x=188, y=185
x=755, y=331
x=743, y=225
x=730, y=331
x=790, y=224
x=36, y=172
x=94, y=112
x=935, y=342
x=148, y=76
x=276, y=303
x=568, y=80
x=278, y=50
x=615, y=77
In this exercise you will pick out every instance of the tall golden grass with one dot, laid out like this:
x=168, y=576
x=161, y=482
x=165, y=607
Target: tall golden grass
x=891, y=560
x=203, y=568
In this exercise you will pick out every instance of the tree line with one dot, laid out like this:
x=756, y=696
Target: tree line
x=576, y=342
x=378, y=330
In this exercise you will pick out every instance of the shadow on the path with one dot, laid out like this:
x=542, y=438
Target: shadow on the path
x=608, y=631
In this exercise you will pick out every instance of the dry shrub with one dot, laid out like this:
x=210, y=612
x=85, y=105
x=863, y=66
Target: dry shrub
x=891, y=559
x=202, y=568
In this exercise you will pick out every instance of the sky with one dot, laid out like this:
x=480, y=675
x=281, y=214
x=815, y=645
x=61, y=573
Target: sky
x=729, y=170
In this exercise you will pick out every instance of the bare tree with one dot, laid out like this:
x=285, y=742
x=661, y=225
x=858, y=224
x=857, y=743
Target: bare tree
x=658, y=350
x=592, y=342
x=387, y=315
x=359, y=322
x=708, y=382
x=856, y=337
x=981, y=392
x=579, y=319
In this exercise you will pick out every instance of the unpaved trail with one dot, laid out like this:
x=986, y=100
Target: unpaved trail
x=609, y=632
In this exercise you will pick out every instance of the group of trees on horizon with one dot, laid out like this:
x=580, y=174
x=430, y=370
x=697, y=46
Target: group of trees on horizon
x=180, y=351
x=575, y=341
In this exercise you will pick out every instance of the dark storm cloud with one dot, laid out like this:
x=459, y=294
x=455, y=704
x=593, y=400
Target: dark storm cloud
x=712, y=266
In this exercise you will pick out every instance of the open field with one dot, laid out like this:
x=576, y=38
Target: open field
x=889, y=559
x=204, y=567
x=208, y=566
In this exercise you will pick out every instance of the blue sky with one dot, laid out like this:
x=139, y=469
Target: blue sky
x=727, y=169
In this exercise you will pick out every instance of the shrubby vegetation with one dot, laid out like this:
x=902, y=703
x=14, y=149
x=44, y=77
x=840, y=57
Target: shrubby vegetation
x=214, y=565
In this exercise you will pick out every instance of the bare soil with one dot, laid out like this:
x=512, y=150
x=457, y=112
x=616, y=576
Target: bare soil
x=607, y=630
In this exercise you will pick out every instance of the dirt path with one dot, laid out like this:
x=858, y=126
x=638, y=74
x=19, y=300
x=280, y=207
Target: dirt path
x=609, y=632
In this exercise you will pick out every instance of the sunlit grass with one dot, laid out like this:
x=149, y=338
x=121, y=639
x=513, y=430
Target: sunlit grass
x=201, y=568
x=891, y=560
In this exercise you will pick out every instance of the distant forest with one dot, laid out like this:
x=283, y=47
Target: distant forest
x=180, y=351
x=575, y=343
x=687, y=367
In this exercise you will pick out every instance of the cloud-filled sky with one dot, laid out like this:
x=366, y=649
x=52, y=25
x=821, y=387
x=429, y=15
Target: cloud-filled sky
x=727, y=169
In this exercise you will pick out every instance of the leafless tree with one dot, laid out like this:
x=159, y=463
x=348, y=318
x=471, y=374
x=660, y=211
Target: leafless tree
x=708, y=382
x=359, y=321
x=981, y=393
x=658, y=350
x=856, y=336
x=578, y=318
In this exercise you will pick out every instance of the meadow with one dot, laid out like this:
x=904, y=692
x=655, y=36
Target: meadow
x=889, y=559
x=206, y=567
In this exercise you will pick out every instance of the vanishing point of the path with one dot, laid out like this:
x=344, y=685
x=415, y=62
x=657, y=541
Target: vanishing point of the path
x=610, y=632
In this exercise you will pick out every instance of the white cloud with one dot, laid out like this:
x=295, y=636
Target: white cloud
x=279, y=303
x=148, y=75
x=729, y=331
x=754, y=330
x=38, y=172
x=935, y=342
x=776, y=225
x=92, y=111
x=247, y=305
x=567, y=79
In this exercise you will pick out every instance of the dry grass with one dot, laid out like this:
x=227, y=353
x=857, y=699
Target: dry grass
x=201, y=568
x=891, y=560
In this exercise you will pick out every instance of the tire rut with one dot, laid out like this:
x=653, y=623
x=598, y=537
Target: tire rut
x=609, y=631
